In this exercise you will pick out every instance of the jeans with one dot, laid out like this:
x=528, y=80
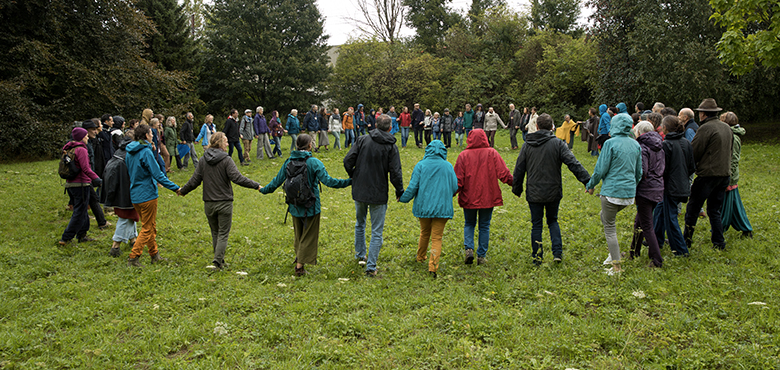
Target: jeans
x=79, y=220
x=404, y=136
x=447, y=138
x=643, y=223
x=125, y=230
x=294, y=139
x=712, y=190
x=436, y=135
x=336, y=139
x=237, y=145
x=277, y=141
x=418, y=136
x=349, y=137
x=220, y=217
x=459, y=138
x=525, y=133
x=537, y=212
x=471, y=215
x=665, y=219
x=608, y=215
x=466, y=131
x=378, y=212
x=189, y=155
x=361, y=130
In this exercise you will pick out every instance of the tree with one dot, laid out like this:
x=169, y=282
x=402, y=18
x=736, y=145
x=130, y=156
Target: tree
x=170, y=45
x=431, y=20
x=381, y=18
x=195, y=12
x=478, y=7
x=555, y=15
x=752, y=34
x=269, y=52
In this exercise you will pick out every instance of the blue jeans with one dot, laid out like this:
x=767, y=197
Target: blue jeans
x=378, y=212
x=436, y=135
x=404, y=136
x=125, y=230
x=466, y=131
x=294, y=139
x=361, y=130
x=485, y=215
x=237, y=145
x=537, y=212
x=337, y=139
x=349, y=137
x=665, y=220
x=277, y=141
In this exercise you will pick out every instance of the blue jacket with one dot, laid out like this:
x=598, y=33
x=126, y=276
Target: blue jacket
x=604, y=122
x=433, y=184
x=690, y=129
x=204, y=133
x=360, y=117
x=622, y=108
x=144, y=173
x=293, y=125
x=317, y=174
x=620, y=161
x=311, y=121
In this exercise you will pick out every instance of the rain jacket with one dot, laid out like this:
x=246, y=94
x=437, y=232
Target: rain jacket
x=604, y=122
x=447, y=123
x=144, y=173
x=360, y=117
x=260, y=125
x=736, y=153
x=417, y=116
x=433, y=184
x=651, y=187
x=690, y=129
x=293, y=125
x=678, y=159
x=406, y=120
x=216, y=173
x=346, y=123
x=311, y=121
x=369, y=162
x=620, y=161
x=231, y=130
x=712, y=148
x=206, y=131
x=317, y=174
x=117, y=179
x=564, y=132
x=540, y=159
x=468, y=119
x=335, y=123
x=478, y=167
x=86, y=175
x=186, y=132
x=492, y=120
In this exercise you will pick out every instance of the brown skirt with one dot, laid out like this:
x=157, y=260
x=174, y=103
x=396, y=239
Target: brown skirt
x=307, y=236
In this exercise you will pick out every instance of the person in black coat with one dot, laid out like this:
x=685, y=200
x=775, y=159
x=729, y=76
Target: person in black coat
x=233, y=136
x=116, y=186
x=540, y=160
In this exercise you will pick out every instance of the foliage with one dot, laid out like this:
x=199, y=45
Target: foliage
x=752, y=33
x=269, y=52
x=171, y=46
x=78, y=59
x=75, y=307
x=431, y=20
x=556, y=15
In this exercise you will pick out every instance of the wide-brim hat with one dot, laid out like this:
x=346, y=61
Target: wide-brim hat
x=709, y=105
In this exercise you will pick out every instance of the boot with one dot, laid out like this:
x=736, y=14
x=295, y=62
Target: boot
x=688, y=236
x=157, y=259
x=133, y=262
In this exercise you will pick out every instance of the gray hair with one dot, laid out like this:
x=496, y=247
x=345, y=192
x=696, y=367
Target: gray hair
x=658, y=106
x=169, y=121
x=643, y=127
x=688, y=112
x=383, y=122
x=258, y=109
x=294, y=112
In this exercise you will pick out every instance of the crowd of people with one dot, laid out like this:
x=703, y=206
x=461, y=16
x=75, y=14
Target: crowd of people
x=648, y=159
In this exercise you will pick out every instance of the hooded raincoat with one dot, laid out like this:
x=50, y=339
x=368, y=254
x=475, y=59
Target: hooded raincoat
x=620, y=161
x=433, y=184
x=144, y=173
x=477, y=168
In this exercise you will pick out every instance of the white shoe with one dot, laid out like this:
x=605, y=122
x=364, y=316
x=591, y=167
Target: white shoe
x=608, y=261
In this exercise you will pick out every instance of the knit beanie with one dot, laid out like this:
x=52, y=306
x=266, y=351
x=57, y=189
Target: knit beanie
x=78, y=133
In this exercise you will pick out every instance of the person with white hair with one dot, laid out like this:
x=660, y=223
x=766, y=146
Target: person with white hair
x=261, y=134
x=649, y=191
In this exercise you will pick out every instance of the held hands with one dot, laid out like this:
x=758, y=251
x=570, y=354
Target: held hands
x=589, y=191
x=260, y=189
x=178, y=192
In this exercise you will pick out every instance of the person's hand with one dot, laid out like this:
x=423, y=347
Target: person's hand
x=589, y=191
x=178, y=192
x=241, y=136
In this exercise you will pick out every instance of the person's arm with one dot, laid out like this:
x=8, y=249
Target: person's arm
x=277, y=181
x=602, y=166
x=351, y=159
x=195, y=180
x=699, y=145
x=503, y=172
x=202, y=133
x=414, y=184
x=396, y=176
x=645, y=162
x=498, y=118
x=82, y=158
x=639, y=170
x=689, y=160
x=460, y=173
x=322, y=175
x=148, y=160
x=236, y=177
x=519, y=173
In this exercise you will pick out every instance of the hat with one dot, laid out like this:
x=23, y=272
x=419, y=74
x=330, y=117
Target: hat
x=446, y=109
x=247, y=111
x=708, y=105
x=88, y=124
x=78, y=133
x=119, y=121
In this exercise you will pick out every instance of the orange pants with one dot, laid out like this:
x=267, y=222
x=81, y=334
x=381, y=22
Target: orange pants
x=147, y=212
x=431, y=228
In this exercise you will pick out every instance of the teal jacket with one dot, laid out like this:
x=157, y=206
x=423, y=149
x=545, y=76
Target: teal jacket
x=144, y=173
x=468, y=119
x=293, y=125
x=317, y=174
x=620, y=161
x=433, y=184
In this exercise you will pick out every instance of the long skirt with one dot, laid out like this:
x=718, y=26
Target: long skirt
x=324, y=140
x=733, y=212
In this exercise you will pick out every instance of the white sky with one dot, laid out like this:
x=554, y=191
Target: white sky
x=341, y=29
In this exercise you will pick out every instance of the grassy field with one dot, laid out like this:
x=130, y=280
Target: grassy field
x=76, y=307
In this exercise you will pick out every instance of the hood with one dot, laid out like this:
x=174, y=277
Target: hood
x=359, y=106
x=300, y=154
x=674, y=136
x=652, y=140
x=382, y=137
x=621, y=125
x=602, y=109
x=125, y=142
x=291, y=116
x=119, y=121
x=622, y=108
x=737, y=130
x=436, y=149
x=147, y=115
x=477, y=139
x=72, y=144
x=539, y=137
x=137, y=146
x=214, y=155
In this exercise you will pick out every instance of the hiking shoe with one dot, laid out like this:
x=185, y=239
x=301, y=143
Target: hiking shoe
x=114, y=252
x=433, y=274
x=557, y=259
x=371, y=273
x=105, y=225
x=300, y=271
x=362, y=261
x=481, y=260
x=157, y=259
x=469, y=256
x=133, y=262
x=86, y=239
x=63, y=243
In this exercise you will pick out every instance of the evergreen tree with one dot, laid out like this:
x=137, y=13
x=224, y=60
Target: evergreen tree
x=171, y=46
x=556, y=15
x=431, y=20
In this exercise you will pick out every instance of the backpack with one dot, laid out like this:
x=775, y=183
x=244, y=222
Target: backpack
x=68, y=168
x=296, y=187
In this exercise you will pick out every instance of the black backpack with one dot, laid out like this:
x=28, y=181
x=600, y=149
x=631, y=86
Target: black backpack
x=296, y=187
x=68, y=168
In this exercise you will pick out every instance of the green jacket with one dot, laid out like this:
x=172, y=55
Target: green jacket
x=736, y=153
x=317, y=174
x=170, y=140
x=468, y=119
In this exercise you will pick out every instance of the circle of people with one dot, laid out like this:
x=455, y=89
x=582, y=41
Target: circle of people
x=648, y=159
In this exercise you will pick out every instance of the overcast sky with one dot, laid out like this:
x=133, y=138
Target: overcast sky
x=340, y=29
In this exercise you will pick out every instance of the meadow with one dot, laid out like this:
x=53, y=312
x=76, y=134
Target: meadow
x=76, y=307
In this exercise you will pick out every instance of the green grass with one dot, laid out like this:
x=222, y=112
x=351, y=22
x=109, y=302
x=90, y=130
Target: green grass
x=76, y=307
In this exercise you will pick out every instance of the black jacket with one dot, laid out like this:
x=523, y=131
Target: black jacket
x=541, y=157
x=231, y=130
x=679, y=165
x=447, y=123
x=515, y=118
x=186, y=133
x=371, y=121
x=369, y=162
x=116, y=180
x=417, y=116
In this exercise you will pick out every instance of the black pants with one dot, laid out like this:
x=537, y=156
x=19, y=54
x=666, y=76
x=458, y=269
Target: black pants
x=418, y=135
x=712, y=190
x=237, y=145
x=428, y=137
x=513, y=137
x=447, y=138
x=79, y=220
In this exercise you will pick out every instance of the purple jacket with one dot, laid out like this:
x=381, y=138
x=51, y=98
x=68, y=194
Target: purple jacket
x=651, y=186
x=260, y=125
x=82, y=159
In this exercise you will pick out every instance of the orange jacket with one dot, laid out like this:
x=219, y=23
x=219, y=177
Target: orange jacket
x=346, y=122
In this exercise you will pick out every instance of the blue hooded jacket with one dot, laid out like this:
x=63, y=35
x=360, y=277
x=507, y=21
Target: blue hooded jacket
x=433, y=184
x=293, y=125
x=620, y=161
x=604, y=122
x=360, y=117
x=144, y=173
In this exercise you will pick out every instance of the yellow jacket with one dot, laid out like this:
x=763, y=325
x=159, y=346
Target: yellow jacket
x=564, y=131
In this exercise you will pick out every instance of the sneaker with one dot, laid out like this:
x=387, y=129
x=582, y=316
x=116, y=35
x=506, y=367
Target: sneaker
x=557, y=260
x=133, y=262
x=157, y=259
x=371, y=273
x=362, y=261
x=612, y=272
x=245, y=164
x=63, y=243
x=114, y=252
x=481, y=260
x=469, y=256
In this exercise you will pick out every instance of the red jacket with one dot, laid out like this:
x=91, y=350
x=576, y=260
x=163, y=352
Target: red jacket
x=478, y=167
x=406, y=119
